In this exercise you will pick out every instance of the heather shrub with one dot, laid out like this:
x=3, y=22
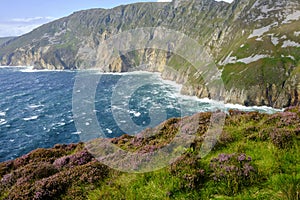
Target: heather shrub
x=187, y=168
x=79, y=158
x=232, y=172
x=5, y=167
x=225, y=139
x=283, y=119
x=282, y=138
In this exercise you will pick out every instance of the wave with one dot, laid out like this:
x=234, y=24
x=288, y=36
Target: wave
x=2, y=122
x=109, y=131
x=2, y=114
x=34, y=106
x=76, y=133
x=96, y=71
x=3, y=66
x=135, y=113
x=30, y=118
x=30, y=69
x=253, y=108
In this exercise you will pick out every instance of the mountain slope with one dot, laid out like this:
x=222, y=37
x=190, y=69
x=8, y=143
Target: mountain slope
x=5, y=40
x=256, y=45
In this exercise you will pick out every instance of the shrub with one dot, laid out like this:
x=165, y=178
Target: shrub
x=77, y=159
x=231, y=172
x=187, y=168
x=282, y=138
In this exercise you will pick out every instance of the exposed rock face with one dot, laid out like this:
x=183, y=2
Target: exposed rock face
x=255, y=43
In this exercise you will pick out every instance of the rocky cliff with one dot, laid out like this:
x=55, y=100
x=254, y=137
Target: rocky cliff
x=255, y=45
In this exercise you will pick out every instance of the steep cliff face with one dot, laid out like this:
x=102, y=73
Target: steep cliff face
x=255, y=44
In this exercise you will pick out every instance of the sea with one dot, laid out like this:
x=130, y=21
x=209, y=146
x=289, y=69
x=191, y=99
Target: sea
x=36, y=107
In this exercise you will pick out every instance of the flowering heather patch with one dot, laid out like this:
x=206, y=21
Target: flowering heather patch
x=282, y=138
x=49, y=173
x=232, y=172
x=284, y=119
x=188, y=169
x=79, y=158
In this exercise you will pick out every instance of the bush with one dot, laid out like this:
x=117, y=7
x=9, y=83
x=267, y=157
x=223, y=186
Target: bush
x=282, y=138
x=188, y=169
x=232, y=172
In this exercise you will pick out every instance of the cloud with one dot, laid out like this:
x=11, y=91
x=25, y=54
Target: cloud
x=7, y=30
x=31, y=19
x=20, y=26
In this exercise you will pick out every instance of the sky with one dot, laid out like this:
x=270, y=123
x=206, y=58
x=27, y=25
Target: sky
x=18, y=17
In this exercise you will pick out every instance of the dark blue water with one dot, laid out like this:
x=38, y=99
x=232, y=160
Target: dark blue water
x=36, y=107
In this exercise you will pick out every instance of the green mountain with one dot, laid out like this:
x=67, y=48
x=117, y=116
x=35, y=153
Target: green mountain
x=255, y=45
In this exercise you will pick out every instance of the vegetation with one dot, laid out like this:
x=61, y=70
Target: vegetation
x=256, y=157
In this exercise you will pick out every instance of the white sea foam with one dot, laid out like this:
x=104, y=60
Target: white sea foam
x=253, y=108
x=96, y=71
x=30, y=118
x=216, y=104
x=34, y=106
x=173, y=84
x=27, y=135
x=5, y=67
x=76, y=133
x=61, y=123
x=2, y=122
x=2, y=114
x=135, y=113
x=109, y=131
x=32, y=70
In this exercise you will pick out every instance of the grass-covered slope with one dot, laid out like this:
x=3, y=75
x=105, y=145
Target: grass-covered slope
x=256, y=157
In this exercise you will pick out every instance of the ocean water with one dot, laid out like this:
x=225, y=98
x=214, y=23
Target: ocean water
x=36, y=107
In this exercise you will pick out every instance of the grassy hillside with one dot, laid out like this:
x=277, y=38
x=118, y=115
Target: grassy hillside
x=256, y=157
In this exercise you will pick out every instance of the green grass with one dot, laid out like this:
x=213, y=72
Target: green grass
x=278, y=171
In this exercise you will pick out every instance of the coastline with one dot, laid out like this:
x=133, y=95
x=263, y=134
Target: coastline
x=178, y=86
x=58, y=172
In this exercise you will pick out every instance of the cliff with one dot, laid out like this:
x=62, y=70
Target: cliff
x=255, y=45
